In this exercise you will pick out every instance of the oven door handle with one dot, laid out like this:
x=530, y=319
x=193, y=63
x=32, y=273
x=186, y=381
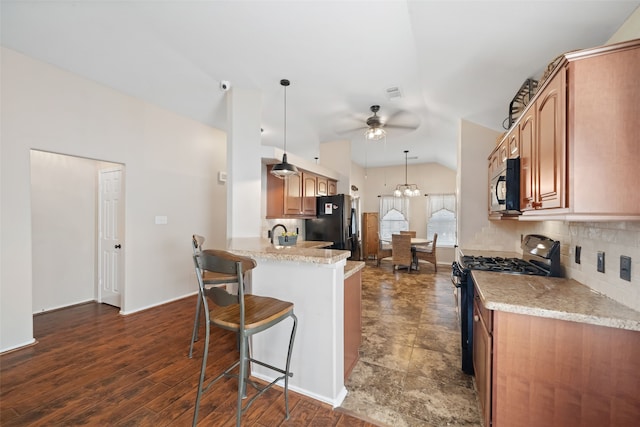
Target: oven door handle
x=456, y=275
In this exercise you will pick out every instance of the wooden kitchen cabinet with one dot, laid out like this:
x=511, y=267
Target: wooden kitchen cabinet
x=322, y=186
x=526, y=129
x=587, y=123
x=578, y=138
x=370, y=224
x=332, y=187
x=352, y=321
x=550, y=372
x=309, y=193
x=293, y=197
x=482, y=355
x=549, y=154
x=536, y=371
x=513, y=144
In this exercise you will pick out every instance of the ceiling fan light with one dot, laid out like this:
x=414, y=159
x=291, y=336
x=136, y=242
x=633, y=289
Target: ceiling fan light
x=374, y=133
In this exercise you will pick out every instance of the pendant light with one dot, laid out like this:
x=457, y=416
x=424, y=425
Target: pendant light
x=284, y=169
x=406, y=190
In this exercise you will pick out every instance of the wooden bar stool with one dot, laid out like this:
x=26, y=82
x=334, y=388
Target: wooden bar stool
x=210, y=278
x=246, y=315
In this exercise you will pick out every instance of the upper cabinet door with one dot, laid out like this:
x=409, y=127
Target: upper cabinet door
x=527, y=143
x=332, y=189
x=322, y=186
x=309, y=194
x=293, y=195
x=550, y=176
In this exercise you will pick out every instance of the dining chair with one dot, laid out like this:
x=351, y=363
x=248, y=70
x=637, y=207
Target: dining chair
x=384, y=250
x=401, y=250
x=428, y=253
x=210, y=279
x=412, y=233
x=245, y=314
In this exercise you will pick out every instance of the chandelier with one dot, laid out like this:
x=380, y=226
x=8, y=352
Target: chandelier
x=406, y=190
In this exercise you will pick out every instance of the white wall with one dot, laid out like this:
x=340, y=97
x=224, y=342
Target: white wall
x=476, y=143
x=171, y=168
x=629, y=30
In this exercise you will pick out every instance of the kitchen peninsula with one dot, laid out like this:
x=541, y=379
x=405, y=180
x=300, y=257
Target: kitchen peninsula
x=313, y=279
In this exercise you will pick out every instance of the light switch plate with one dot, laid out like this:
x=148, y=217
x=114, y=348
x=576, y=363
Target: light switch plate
x=601, y=262
x=625, y=268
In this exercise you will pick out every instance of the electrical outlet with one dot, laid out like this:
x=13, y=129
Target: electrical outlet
x=601, y=262
x=625, y=268
x=577, y=254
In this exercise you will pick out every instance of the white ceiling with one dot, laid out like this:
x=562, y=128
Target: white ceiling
x=451, y=60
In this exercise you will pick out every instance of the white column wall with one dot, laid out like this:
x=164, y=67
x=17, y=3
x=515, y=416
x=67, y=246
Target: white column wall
x=244, y=167
x=476, y=143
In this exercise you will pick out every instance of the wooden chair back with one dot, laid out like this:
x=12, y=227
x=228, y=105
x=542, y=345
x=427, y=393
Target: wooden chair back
x=429, y=253
x=401, y=250
x=384, y=251
x=411, y=233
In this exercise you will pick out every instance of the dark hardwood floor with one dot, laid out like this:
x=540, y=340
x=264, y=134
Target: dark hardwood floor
x=92, y=366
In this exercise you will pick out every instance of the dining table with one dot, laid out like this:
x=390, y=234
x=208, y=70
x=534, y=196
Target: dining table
x=415, y=241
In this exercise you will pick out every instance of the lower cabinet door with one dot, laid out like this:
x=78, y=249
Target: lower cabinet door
x=482, y=363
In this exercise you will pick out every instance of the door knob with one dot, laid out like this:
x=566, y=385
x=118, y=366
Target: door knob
x=118, y=246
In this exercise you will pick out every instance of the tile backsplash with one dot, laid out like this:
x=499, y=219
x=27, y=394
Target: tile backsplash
x=613, y=238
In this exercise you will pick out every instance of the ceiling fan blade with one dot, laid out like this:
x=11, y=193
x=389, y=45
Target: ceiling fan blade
x=411, y=127
x=347, y=130
x=402, y=119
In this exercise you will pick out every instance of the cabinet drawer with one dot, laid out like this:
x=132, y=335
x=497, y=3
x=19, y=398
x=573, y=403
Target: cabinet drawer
x=485, y=314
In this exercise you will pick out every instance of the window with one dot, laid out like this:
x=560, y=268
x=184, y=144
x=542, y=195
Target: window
x=394, y=216
x=441, y=218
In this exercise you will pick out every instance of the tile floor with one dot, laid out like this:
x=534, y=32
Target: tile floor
x=409, y=369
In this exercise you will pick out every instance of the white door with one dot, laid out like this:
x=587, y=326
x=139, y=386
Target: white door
x=111, y=233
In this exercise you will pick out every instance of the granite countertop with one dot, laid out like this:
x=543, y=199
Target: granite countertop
x=552, y=297
x=303, y=251
x=352, y=268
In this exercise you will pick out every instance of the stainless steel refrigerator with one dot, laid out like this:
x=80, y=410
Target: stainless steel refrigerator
x=333, y=222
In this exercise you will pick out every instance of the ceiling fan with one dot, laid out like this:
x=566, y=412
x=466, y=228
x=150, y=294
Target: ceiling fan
x=375, y=126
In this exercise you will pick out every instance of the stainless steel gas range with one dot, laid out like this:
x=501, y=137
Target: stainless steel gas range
x=540, y=257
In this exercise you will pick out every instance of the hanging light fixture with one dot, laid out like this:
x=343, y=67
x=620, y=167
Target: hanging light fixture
x=406, y=190
x=284, y=169
x=374, y=132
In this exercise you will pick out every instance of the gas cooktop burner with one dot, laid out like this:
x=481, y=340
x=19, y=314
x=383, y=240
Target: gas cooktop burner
x=502, y=265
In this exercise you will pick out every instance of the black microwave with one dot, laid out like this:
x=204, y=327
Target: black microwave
x=504, y=188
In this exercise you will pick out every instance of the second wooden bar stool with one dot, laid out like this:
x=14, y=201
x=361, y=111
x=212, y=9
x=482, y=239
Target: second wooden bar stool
x=248, y=315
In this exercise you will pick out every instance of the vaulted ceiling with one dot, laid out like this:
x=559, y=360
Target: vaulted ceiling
x=448, y=60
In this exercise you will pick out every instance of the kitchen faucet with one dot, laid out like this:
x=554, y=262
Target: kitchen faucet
x=273, y=229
